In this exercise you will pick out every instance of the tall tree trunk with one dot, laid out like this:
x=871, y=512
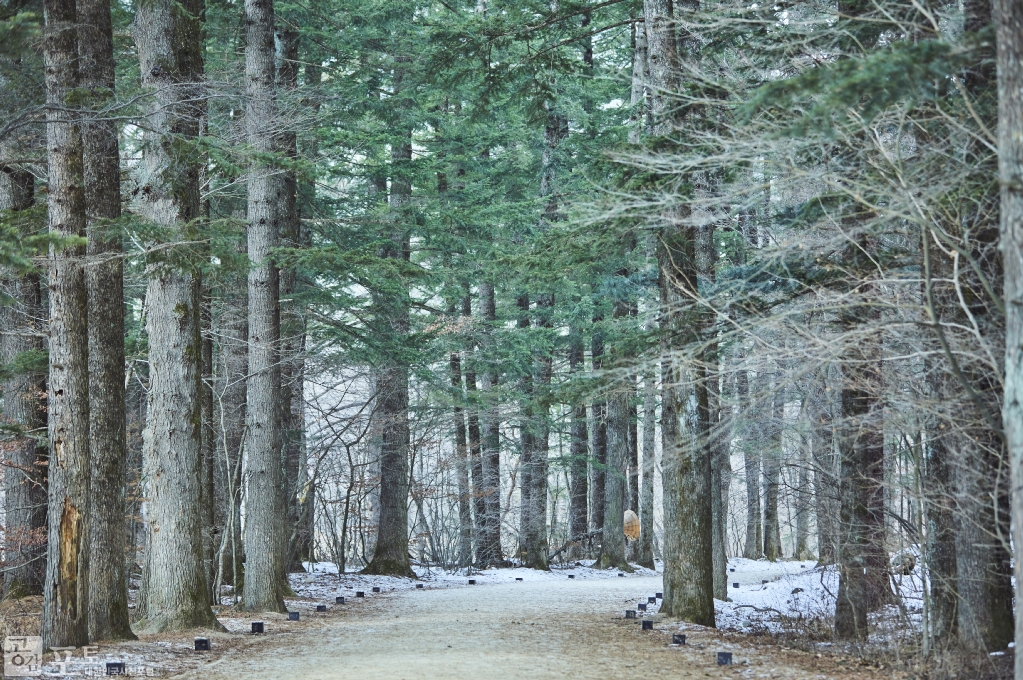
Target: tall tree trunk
x=864, y=582
x=862, y=461
x=688, y=561
x=616, y=487
x=292, y=326
x=309, y=150
x=233, y=372
x=939, y=496
x=108, y=581
x=645, y=554
x=686, y=465
x=391, y=554
x=527, y=436
x=211, y=532
x=537, y=547
x=983, y=564
x=753, y=547
x=863, y=562
x=802, y=494
x=579, y=452
x=461, y=460
x=475, y=451
x=24, y=394
x=706, y=264
x=174, y=594
x=599, y=409
x=983, y=582
x=825, y=483
x=633, y=418
x=265, y=504
x=66, y=596
x=1009, y=30
x=772, y=474
x=491, y=550
x=615, y=483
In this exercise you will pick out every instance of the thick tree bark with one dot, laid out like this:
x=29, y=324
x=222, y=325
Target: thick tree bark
x=25, y=409
x=66, y=597
x=983, y=562
x=579, y=451
x=1009, y=29
x=174, y=593
x=265, y=504
x=863, y=575
x=108, y=586
x=686, y=465
x=391, y=554
x=615, y=483
x=490, y=551
x=688, y=561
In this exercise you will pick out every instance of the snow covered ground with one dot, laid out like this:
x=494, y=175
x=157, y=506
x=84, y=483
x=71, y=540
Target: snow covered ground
x=799, y=598
x=321, y=585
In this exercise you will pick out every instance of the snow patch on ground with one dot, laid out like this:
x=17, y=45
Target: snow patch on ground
x=321, y=583
x=794, y=592
x=799, y=597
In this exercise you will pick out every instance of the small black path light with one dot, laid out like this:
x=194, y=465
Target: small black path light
x=652, y=599
x=257, y=627
x=419, y=586
x=321, y=607
x=731, y=569
x=292, y=616
x=659, y=596
x=472, y=582
x=630, y=613
x=735, y=585
x=202, y=644
x=678, y=639
x=359, y=593
x=648, y=624
x=571, y=575
x=376, y=589
x=518, y=578
x=724, y=658
x=340, y=599
x=641, y=606
x=621, y=575
x=764, y=581
x=115, y=668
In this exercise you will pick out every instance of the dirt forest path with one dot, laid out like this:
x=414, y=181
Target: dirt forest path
x=560, y=629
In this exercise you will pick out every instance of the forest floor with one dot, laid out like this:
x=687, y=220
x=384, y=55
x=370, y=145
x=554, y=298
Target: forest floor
x=546, y=626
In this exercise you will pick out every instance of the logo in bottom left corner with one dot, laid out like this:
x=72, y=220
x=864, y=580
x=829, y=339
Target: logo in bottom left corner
x=23, y=656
